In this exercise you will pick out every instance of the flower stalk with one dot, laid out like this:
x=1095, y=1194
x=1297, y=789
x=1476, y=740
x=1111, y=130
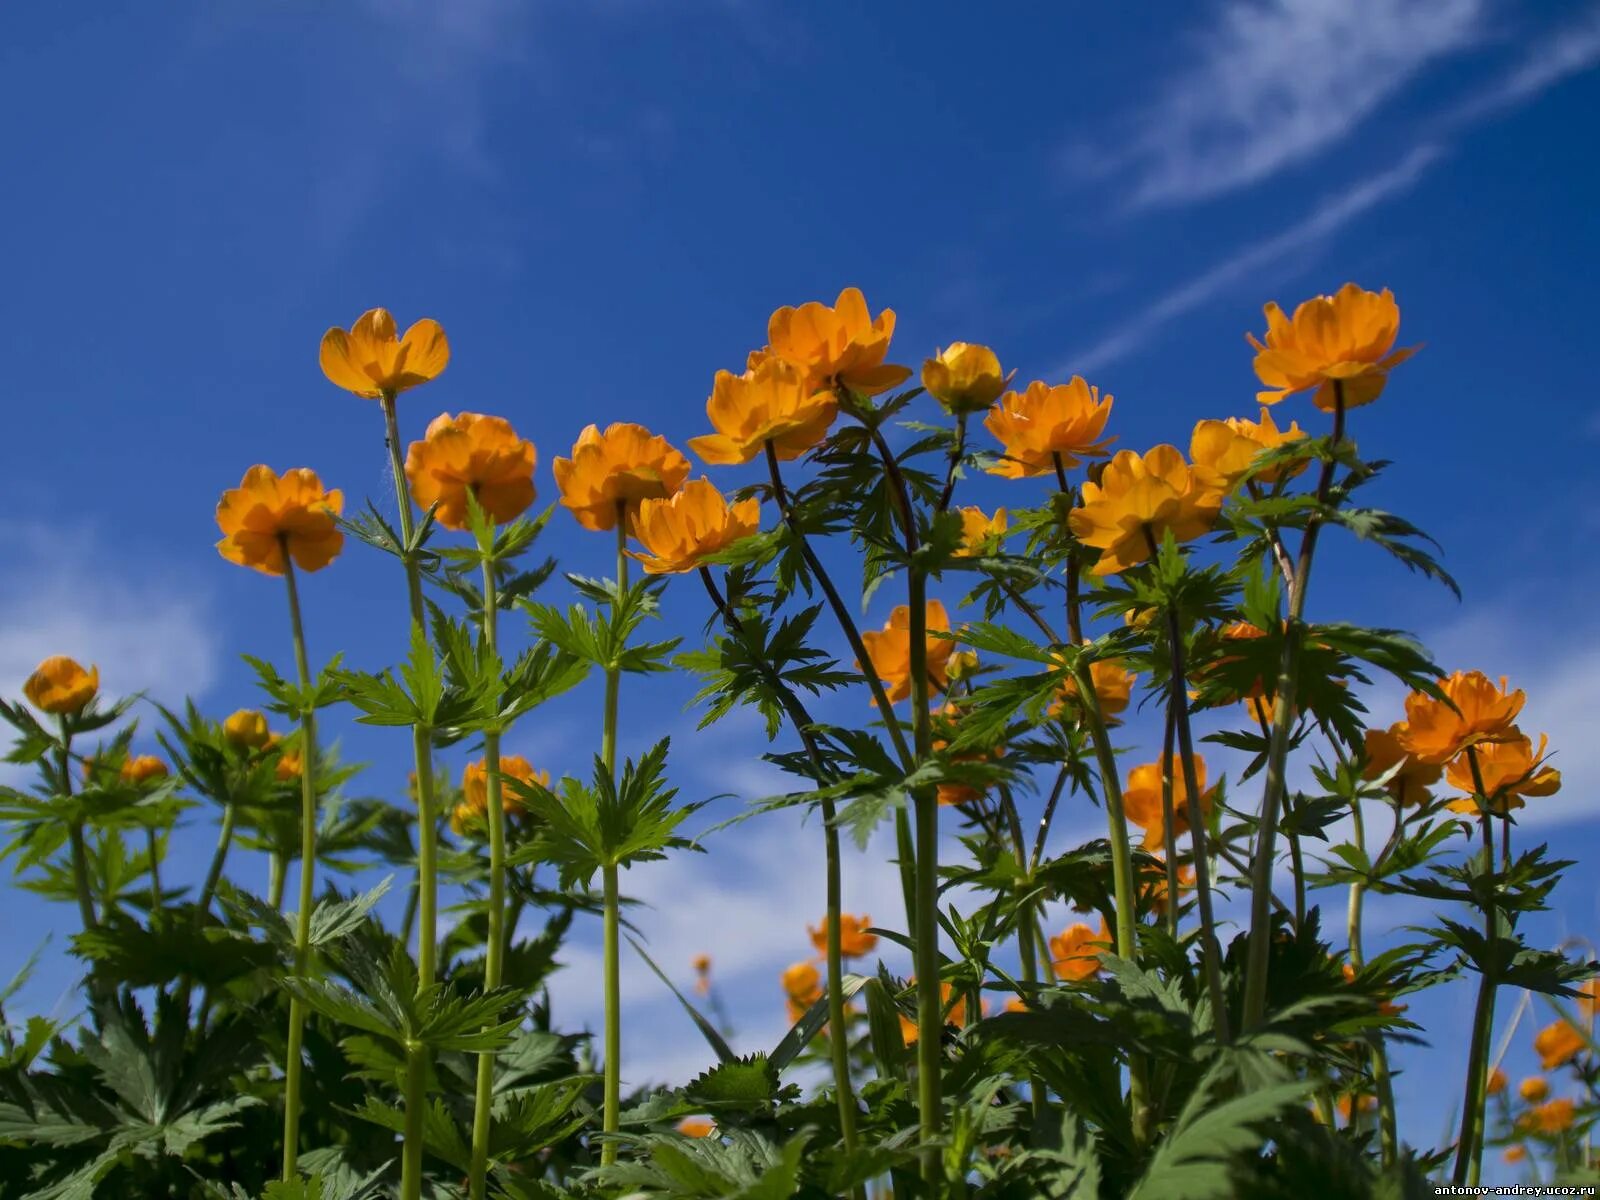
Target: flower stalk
x=78, y=848
x=1469, y=1145
x=1388, y=1131
x=610, y=950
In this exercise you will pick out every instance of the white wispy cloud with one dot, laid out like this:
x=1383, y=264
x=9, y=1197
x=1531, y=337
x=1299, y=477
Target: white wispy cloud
x=1332, y=215
x=1568, y=50
x=1273, y=82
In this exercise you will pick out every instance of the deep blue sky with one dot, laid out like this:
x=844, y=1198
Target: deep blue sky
x=602, y=203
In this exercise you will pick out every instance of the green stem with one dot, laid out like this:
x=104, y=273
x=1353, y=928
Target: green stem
x=493, y=963
x=1027, y=961
x=1169, y=835
x=78, y=847
x=1255, y=992
x=1388, y=1128
x=427, y=870
x=308, y=866
x=1074, y=565
x=1469, y=1146
x=208, y=889
x=276, y=876
x=153, y=846
x=957, y=452
x=610, y=951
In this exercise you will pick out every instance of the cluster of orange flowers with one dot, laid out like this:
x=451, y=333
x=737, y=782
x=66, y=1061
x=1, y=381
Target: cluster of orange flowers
x=1472, y=742
x=470, y=812
x=802, y=981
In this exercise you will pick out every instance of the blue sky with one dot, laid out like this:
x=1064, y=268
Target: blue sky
x=603, y=202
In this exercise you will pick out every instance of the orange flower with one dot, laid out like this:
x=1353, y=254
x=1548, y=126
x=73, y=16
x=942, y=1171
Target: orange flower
x=1434, y=732
x=268, y=515
x=1515, y=1154
x=1015, y=1004
x=802, y=983
x=1588, y=994
x=1223, y=450
x=1113, y=687
x=890, y=649
x=1387, y=1007
x=696, y=1127
x=1342, y=339
x=954, y=792
x=854, y=940
x=142, y=769
x=1554, y=1116
x=1141, y=799
x=1497, y=1082
x=287, y=767
x=609, y=473
x=471, y=453
x=246, y=729
x=963, y=377
x=1075, y=951
x=1510, y=770
x=1533, y=1089
x=1137, y=499
x=980, y=533
x=955, y=1014
x=840, y=346
x=1557, y=1044
x=680, y=531
x=771, y=402
x=1346, y=1104
x=59, y=685
x=371, y=361
x=475, y=783
x=1385, y=750
x=1156, y=889
x=1044, y=423
x=702, y=973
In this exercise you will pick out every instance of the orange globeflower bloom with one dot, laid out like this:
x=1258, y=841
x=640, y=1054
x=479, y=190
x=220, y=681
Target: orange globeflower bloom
x=1346, y=1104
x=1510, y=770
x=771, y=402
x=246, y=729
x=964, y=377
x=1141, y=798
x=955, y=792
x=980, y=533
x=1557, y=1044
x=955, y=1014
x=471, y=453
x=142, y=769
x=1341, y=339
x=802, y=987
x=1533, y=1089
x=1044, y=423
x=371, y=361
x=890, y=649
x=1497, y=1082
x=1113, y=687
x=842, y=346
x=1139, y=498
x=1015, y=1004
x=1075, y=951
x=1434, y=732
x=1386, y=750
x=59, y=685
x=1223, y=450
x=679, y=532
x=1515, y=1154
x=854, y=940
x=1554, y=1116
x=702, y=973
x=1588, y=994
x=475, y=783
x=287, y=767
x=268, y=514
x=614, y=470
x=1155, y=890
x=696, y=1127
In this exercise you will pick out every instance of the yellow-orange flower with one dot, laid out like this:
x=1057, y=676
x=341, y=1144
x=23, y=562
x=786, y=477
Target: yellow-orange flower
x=1223, y=450
x=772, y=402
x=1141, y=799
x=854, y=940
x=1344, y=339
x=1533, y=1089
x=1434, y=732
x=475, y=783
x=677, y=533
x=246, y=729
x=802, y=988
x=1075, y=951
x=696, y=1127
x=1557, y=1044
x=981, y=533
x=1346, y=1104
x=1137, y=500
x=370, y=360
x=1385, y=750
x=1509, y=769
x=1015, y=1004
x=1155, y=890
x=1496, y=1083
x=471, y=453
x=890, y=649
x=142, y=769
x=59, y=685
x=268, y=514
x=955, y=1014
x=1554, y=1116
x=964, y=377
x=952, y=792
x=1588, y=996
x=842, y=346
x=1515, y=1154
x=702, y=973
x=287, y=767
x=1044, y=423
x=1113, y=687
x=610, y=473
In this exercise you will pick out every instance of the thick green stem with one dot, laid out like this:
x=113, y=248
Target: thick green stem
x=427, y=870
x=277, y=875
x=1388, y=1127
x=610, y=951
x=1255, y=992
x=1074, y=564
x=77, y=846
x=308, y=867
x=153, y=846
x=1469, y=1146
x=208, y=889
x=494, y=951
x=1169, y=833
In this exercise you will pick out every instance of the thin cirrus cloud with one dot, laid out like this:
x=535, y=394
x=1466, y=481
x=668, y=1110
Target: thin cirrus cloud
x=1274, y=82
